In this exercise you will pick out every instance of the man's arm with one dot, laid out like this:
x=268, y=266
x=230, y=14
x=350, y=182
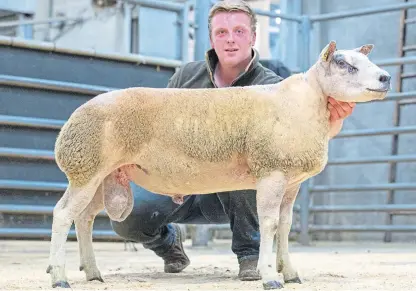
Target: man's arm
x=338, y=112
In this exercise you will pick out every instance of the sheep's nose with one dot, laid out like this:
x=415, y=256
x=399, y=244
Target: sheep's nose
x=384, y=78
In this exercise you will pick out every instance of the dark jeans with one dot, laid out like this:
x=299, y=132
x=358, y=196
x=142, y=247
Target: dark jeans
x=149, y=222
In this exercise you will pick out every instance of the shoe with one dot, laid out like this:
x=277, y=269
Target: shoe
x=248, y=270
x=175, y=259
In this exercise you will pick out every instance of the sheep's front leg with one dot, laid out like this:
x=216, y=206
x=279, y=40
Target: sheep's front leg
x=270, y=191
x=84, y=226
x=283, y=264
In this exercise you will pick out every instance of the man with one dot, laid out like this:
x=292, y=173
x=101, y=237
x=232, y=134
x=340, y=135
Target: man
x=232, y=61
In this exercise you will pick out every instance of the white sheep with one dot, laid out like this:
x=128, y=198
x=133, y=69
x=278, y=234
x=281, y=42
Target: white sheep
x=185, y=141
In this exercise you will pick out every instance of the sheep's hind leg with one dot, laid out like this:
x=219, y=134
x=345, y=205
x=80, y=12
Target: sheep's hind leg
x=270, y=191
x=84, y=226
x=68, y=208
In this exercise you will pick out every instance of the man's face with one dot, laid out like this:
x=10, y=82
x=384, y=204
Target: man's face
x=232, y=37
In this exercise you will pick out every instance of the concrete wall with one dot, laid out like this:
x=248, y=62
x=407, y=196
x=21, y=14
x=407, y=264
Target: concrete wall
x=383, y=31
x=102, y=29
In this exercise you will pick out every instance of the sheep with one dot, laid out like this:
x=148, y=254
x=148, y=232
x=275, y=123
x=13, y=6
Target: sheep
x=177, y=142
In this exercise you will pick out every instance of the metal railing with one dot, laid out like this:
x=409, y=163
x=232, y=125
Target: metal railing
x=308, y=188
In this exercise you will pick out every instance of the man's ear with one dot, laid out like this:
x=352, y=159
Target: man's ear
x=365, y=49
x=328, y=51
x=253, y=39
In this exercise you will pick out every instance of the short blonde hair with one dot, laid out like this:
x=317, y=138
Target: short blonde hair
x=232, y=6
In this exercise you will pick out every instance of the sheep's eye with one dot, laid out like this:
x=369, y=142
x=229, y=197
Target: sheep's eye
x=352, y=70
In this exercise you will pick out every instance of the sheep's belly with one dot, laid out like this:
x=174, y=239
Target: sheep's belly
x=202, y=180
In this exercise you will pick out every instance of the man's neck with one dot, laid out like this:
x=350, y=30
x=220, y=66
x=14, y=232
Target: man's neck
x=224, y=76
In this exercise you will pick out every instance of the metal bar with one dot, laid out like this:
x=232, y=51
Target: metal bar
x=33, y=185
x=396, y=61
x=202, y=31
x=392, y=174
x=364, y=208
x=41, y=21
x=373, y=160
x=37, y=233
x=53, y=85
x=32, y=122
x=185, y=31
x=409, y=47
x=410, y=20
x=373, y=132
x=399, y=96
x=52, y=47
x=408, y=75
x=27, y=154
x=164, y=5
x=381, y=228
x=361, y=12
x=33, y=209
x=408, y=101
x=226, y=226
x=271, y=14
x=370, y=187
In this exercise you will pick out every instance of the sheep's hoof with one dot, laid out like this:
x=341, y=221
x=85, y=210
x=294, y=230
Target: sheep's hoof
x=97, y=279
x=294, y=280
x=81, y=268
x=270, y=285
x=61, y=284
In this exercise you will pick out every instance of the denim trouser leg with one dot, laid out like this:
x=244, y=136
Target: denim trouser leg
x=149, y=221
x=240, y=207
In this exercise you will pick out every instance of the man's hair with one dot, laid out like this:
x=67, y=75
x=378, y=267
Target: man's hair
x=232, y=6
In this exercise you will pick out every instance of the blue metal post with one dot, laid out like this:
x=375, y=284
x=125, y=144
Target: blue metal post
x=185, y=31
x=202, y=8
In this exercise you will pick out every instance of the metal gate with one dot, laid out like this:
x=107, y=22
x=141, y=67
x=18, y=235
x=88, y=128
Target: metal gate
x=40, y=86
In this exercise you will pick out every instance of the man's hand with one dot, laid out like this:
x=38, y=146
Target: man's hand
x=338, y=112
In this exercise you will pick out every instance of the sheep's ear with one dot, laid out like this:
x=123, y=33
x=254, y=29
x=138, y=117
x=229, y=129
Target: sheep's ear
x=328, y=51
x=365, y=49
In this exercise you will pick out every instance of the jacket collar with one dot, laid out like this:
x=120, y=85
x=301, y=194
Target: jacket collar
x=211, y=60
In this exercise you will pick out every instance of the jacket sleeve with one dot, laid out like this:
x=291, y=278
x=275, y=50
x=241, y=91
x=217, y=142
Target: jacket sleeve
x=174, y=81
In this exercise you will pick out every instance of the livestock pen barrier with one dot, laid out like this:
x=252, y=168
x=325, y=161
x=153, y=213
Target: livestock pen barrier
x=201, y=233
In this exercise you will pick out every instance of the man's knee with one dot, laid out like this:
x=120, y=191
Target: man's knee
x=147, y=217
x=135, y=227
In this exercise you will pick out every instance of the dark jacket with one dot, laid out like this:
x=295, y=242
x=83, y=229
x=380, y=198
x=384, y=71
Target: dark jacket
x=199, y=74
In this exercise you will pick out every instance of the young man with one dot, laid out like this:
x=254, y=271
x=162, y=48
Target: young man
x=232, y=61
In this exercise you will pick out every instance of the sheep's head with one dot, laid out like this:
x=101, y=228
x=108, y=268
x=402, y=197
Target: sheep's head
x=349, y=76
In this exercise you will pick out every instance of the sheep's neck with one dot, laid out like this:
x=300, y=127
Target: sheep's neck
x=311, y=78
